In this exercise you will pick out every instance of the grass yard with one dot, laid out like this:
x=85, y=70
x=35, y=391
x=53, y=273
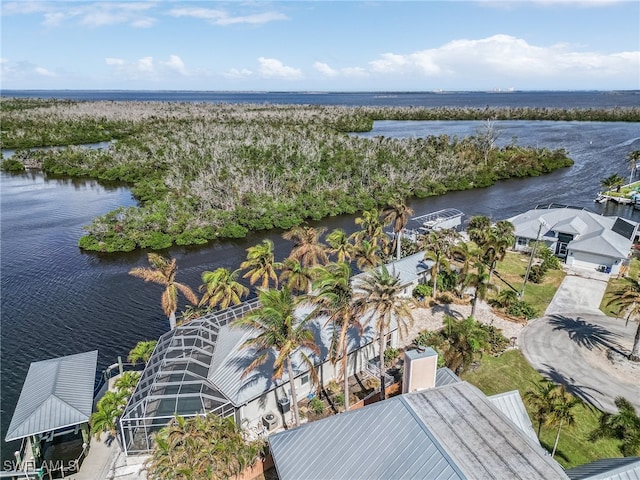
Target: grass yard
x=511, y=371
x=614, y=284
x=513, y=268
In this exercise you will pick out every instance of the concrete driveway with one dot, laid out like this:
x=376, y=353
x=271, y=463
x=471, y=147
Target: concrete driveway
x=570, y=343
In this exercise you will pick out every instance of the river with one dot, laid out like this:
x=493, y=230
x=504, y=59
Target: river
x=57, y=300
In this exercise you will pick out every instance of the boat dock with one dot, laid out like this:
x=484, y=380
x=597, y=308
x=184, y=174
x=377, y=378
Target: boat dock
x=439, y=220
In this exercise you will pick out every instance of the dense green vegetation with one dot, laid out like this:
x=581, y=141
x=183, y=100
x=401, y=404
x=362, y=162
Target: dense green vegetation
x=207, y=171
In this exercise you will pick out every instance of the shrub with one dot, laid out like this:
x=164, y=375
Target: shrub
x=522, y=309
x=422, y=291
x=498, y=343
x=11, y=165
x=390, y=354
x=316, y=405
x=537, y=273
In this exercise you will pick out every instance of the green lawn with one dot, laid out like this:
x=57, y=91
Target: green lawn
x=511, y=371
x=614, y=284
x=513, y=269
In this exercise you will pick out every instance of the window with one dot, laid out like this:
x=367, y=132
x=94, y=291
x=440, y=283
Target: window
x=522, y=242
x=304, y=379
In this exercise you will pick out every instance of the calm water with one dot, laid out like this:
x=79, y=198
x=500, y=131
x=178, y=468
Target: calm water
x=57, y=300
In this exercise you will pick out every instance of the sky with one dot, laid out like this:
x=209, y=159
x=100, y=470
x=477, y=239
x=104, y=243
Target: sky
x=257, y=45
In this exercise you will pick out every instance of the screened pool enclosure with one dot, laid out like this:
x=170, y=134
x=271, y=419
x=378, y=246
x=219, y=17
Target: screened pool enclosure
x=176, y=379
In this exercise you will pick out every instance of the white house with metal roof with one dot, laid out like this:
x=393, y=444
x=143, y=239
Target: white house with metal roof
x=580, y=237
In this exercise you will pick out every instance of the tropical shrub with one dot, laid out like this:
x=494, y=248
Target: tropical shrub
x=316, y=405
x=12, y=165
x=390, y=355
x=521, y=309
x=422, y=291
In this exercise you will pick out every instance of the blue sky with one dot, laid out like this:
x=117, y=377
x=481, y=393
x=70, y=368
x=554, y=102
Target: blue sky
x=321, y=45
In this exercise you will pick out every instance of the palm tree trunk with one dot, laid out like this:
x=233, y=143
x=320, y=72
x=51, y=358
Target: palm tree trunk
x=345, y=374
x=473, y=305
x=172, y=320
x=381, y=357
x=294, y=396
x=435, y=279
x=635, y=351
x=399, y=244
x=555, y=445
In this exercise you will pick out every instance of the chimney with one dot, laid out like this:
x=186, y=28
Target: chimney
x=420, y=367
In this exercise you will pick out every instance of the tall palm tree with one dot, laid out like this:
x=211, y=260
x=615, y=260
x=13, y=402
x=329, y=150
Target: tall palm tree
x=142, y=351
x=466, y=339
x=280, y=332
x=479, y=281
x=632, y=161
x=108, y=409
x=562, y=412
x=438, y=245
x=367, y=255
x=397, y=214
x=261, y=265
x=540, y=399
x=163, y=272
x=623, y=426
x=627, y=300
x=340, y=245
x=307, y=247
x=221, y=288
x=127, y=382
x=296, y=276
x=333, y=298
x=500, y=237
x=478, y=229
x=379, y=294
x=372, y=230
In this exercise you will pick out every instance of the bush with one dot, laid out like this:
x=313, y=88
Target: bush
x=498, y=343
x=422, y=291
x=11, y=165
x=537, y=273
x=390, y=354
x=316, y=405
x=522, y=309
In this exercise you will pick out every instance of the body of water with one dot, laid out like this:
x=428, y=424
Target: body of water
x=57, y=300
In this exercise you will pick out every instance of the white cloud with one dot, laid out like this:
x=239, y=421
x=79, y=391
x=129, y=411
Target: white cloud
x=349, y=72
x=273, y=68
x=44, y=72
x=222, y=17
x=239, y=73
x=145, y=65
x=176, y=64
x=325, y=69
x=504, y=55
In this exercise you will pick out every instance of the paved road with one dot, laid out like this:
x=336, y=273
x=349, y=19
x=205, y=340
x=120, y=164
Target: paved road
x=563, y=345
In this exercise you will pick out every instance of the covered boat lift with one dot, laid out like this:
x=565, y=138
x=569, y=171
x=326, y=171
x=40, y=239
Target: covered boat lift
x=56, y=401
x=440, y=220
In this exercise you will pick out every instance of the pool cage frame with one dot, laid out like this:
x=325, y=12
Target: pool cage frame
x=175, y=380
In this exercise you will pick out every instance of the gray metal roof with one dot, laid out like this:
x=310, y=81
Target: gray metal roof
x=57, y=393
x=382, y=441
x=407, y=269
x=447, y=432
x=593, y=233
x=608, y=469
x=510, y=404
x=445, y=376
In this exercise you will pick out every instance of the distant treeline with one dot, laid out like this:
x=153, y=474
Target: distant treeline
x=205, y=171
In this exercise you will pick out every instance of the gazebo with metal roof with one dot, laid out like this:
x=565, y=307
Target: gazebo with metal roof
x=57, y=395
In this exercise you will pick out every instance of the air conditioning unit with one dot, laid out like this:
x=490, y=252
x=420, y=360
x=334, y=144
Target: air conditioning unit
x=270, y=421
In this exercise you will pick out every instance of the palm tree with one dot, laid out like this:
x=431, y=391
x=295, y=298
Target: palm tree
x=340, y=245
x=127, y=382
x=371, y=230
x=296, y=276
x=495, y=243
x=632, y=160
x=221, y=288
x=397, y=214
x=465, y=340
x=333, y=298
x=561, y=413
x=279, y=331
x=261, y=265
x=307, y=247
x=478, y=229
x=367, y=255
x=108, y=409
x=142, y=351
x=627, y=300
x=613, y=181
x=479, y=281
x=540, y=400
x=163, y=272
x=623, y=426
x=438, y=246
x=379, y=294
x=208, y=446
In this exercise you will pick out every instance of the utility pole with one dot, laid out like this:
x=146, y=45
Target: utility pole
x=533, y=253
